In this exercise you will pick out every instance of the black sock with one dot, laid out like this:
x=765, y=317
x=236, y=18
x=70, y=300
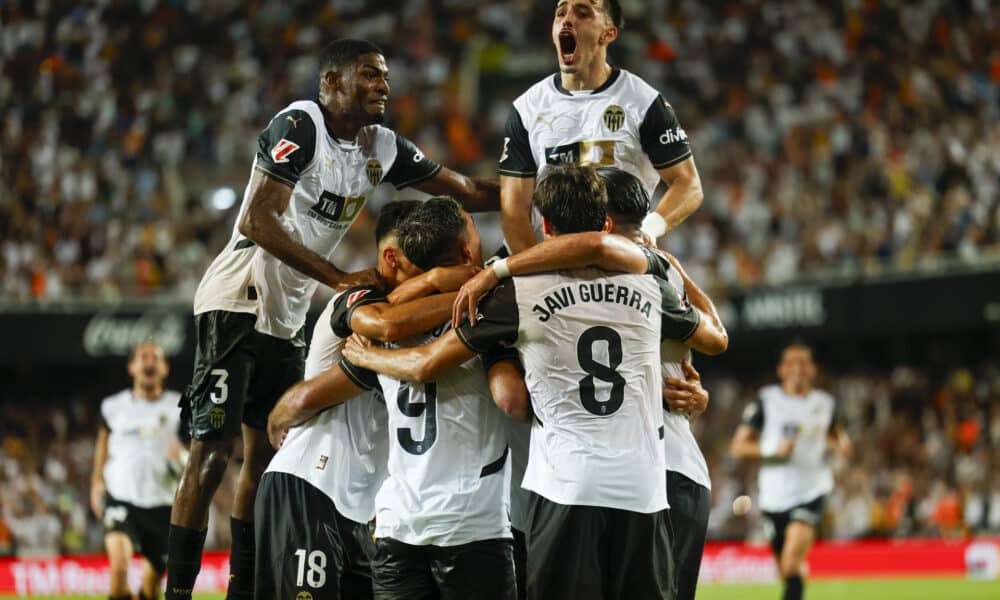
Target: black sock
x=184, y=548
x=793, y=587
x=241, y=560
x=122, y=597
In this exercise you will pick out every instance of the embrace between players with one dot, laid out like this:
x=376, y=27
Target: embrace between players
x=527, y=449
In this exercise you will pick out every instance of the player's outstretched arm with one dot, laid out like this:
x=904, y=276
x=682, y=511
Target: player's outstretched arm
x=419, y=363
x=515, y=212
x=746, y=446
x=97, y=487
x=437, y=280
x=306, y=399
x=261, y=224
x=509, y=390
x=683, y=196
x=386, y=322
x=475, y=194
x=711, y=336
x=606, y=251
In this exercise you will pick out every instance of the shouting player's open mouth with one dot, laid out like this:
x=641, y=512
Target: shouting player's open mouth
x=567, y=47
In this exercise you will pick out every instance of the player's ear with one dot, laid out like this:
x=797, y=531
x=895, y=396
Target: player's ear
x=610, y=34
x=389, y=256
x=609, y=224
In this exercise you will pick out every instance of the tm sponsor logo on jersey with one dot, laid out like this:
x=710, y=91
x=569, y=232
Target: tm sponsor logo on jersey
x=282, y=150
x=599, y=153
x=672, y=136
x=567, y=296
x=336, y=210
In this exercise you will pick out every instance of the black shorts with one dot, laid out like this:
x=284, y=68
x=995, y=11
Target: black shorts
x=305, y=547
x=810, y=513
x=593, y=553
x=690, y=504
x=146, y=527
x=482, y=570
x=228, y=389
x=520, y=563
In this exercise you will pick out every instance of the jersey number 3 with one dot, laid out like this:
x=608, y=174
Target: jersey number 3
x=427, y=409
x=596, y=370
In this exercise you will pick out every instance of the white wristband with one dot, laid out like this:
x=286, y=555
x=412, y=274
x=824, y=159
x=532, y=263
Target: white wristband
x=500, y=268
x=653, y=225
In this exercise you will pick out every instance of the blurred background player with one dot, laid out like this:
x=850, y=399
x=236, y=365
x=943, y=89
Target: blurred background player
x=790, y=428
x=136, y=466
x=592, y=113
x=317, y=163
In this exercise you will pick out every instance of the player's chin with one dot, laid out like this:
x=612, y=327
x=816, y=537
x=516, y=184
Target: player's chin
x=376, y=114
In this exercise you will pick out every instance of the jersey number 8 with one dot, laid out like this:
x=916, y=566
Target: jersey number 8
x=596, y=370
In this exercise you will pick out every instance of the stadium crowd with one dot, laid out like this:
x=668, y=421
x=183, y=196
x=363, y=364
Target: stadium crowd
x=847, y=138
x=921, y=463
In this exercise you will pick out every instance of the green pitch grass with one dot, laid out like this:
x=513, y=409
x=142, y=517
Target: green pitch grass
x=897, y=589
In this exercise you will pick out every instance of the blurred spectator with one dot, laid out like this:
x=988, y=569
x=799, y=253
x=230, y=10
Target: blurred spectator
x=833, y=138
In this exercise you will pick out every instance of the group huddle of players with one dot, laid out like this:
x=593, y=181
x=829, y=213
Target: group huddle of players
x=453, y=430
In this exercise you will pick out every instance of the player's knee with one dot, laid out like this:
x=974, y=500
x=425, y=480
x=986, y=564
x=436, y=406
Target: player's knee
x=210, y=459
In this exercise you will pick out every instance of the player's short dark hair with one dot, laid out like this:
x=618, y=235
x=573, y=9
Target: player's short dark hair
x=392, y=216
x=572, y=198
x=628, y=201
x=614, y=10
x=146, y=342
x=796, y=343
x=432, y=236
x=343, y=52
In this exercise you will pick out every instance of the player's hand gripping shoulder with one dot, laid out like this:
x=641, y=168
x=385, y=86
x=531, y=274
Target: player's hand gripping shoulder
x=469, y=295
x=685, y=396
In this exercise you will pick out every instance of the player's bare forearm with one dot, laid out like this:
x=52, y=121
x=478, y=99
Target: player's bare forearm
x=515, y=212
x=393, y=322
x=841, y=442
x=419, y=363
x=509, y=390
x=97, y=487
x=306, y=399
x=684, y=193
x=261, y=224
x=578, y=250
x=437, y=280
x=745, y=444
x=475, y=194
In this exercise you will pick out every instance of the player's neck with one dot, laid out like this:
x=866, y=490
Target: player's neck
x=339, y=123
x=632, y=233
x=796, y=390
x=147, y=392
x=590, y=78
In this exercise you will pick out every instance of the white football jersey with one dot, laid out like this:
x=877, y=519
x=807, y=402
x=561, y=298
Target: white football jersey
x=806, y=475
x=342, y=451
x=589, y=342
x=331, y=180
x=449, y=473
x=625, y=123
x=139, y=470
x=682, y=452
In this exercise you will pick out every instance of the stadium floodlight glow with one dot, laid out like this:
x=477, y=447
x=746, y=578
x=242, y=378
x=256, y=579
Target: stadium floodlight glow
x=223, y=198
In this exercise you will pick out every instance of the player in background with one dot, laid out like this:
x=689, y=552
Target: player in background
x=596, y=465
x=790, y=428
x=136, y=465
x=328, y=469
x=592, y=113
x=317, y=163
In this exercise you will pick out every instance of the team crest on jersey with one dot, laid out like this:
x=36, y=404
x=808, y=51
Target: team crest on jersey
x=303, y=596
x=216, y=417
x=322, y=462
x=614, y=117
x=282, y=150
x=374, y=171
x=358, y=295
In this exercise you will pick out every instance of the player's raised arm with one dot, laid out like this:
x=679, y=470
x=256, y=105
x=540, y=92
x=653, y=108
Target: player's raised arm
x=475, y=194
x=515, y=212
x=665, y=142
x=307, y=398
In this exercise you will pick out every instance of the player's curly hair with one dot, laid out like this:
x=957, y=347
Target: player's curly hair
x=572, y=198
x=628, y=201
x=343, y=52
x=433, y=234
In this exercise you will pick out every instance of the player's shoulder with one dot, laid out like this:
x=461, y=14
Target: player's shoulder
x=770, y=393
x=116, y=402
x=823, y=396
x=171, y=397
x=301, y=107
x=378, y=136
x=537, y=97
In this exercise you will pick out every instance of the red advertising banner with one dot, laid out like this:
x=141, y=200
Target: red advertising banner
x=723, y=562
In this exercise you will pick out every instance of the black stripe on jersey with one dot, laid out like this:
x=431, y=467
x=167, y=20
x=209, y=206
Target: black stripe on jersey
x=515, y=158
x=244, y=243
x=660, y=431
x=497, y=465
x=363, y=378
